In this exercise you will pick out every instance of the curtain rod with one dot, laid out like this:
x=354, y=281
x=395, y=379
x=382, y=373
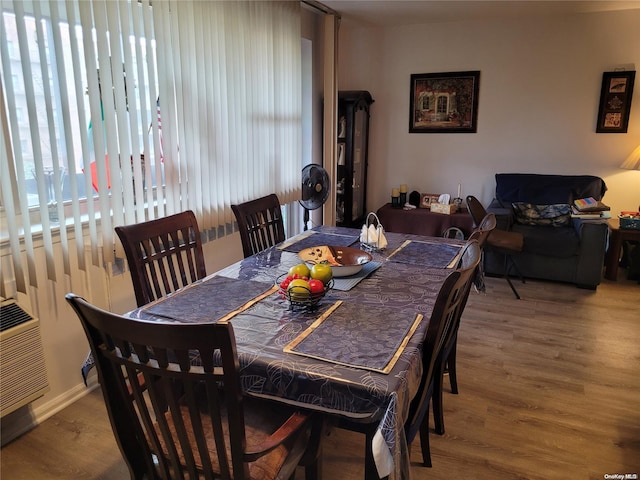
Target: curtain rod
x=320, y=7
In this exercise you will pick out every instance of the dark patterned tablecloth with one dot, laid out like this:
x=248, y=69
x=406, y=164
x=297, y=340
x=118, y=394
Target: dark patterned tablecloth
x=266, y=327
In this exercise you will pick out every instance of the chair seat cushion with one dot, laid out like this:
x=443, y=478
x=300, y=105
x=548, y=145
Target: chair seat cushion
x=549, y=241
x=508, y=241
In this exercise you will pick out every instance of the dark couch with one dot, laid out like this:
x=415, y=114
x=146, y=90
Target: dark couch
x=573, y=253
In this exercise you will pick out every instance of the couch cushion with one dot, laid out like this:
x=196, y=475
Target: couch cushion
x=546, y=189
x=555, y=215
x=549, y=241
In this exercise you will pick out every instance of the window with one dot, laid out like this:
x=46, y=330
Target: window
x=46, y=104
x=442, y=104
x=108, y=126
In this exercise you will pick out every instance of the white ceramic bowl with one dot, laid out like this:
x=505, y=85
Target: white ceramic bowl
x=344, y=261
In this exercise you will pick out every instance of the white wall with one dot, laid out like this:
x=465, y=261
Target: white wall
x=540, y=83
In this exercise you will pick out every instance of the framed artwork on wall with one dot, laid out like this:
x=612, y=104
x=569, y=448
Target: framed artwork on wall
x=615, y=101
x=444, y=102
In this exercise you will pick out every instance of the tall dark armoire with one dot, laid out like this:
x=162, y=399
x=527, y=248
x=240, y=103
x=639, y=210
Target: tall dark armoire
x=353, y=144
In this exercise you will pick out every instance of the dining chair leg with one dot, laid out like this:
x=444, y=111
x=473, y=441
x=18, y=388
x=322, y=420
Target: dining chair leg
x=508, y=263
x=313, y=472
x=451, y=368
x=437, y=400
x=312, y=459
x=424, y=440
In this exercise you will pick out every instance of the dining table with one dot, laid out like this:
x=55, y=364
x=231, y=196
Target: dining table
x=355, y=355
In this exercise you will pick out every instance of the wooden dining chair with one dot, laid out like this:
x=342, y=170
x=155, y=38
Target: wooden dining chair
x=480, y=234
x=210, y=429
x=484, y=229
x=470, y=255
x=164, y=255
x=445, y=313
x=260, y=224
x=503, y=242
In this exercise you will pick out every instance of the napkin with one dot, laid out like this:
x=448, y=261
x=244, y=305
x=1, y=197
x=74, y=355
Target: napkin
x=373, y=236
x=444, y=198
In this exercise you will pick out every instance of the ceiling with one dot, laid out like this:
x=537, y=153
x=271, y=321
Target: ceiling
x=407, y=12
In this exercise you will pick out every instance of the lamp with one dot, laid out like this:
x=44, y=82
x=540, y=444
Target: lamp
x=633, y=161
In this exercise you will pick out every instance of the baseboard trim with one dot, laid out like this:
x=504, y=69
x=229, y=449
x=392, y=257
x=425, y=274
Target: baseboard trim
x=26, y=418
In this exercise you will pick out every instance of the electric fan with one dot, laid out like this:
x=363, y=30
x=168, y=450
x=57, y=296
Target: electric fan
x=315, y=189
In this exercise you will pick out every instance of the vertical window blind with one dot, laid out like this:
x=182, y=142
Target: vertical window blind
x=117, y=112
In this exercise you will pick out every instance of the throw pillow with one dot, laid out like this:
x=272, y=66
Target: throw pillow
x=555, y=215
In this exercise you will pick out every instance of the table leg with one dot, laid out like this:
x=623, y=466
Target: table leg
x=613, y=256
x=370, y=470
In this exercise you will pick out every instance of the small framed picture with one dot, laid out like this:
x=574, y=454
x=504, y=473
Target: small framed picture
x=615, y=102
x=426, y=199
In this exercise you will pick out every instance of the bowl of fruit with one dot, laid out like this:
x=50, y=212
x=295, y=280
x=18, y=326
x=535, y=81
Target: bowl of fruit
x=304, y=287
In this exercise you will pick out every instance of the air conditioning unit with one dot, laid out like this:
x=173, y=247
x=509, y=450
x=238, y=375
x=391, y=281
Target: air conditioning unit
x=23, y=376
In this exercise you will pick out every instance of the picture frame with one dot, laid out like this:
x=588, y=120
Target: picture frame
x=444, y=102
x=426, y=199
x=615, y=101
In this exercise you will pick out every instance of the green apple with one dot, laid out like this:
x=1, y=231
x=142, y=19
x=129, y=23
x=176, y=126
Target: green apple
x=301, y=270
x=322, y=272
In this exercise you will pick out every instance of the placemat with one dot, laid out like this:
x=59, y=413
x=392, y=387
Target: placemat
x=347, y=283
x=215, y=299
x=314, y=239
x=349, y=335
x=434, y=255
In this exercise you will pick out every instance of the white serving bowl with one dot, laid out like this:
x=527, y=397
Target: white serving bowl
x=344, y=261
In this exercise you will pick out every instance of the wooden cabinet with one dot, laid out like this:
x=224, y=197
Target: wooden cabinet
x=353, y=143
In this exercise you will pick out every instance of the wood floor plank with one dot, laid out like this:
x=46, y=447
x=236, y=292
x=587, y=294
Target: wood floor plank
x=549, y=389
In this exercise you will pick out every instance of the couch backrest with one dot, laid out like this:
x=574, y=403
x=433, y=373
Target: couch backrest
x=546, y=189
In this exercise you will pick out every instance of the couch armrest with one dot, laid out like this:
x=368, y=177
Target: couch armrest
x=594, y=237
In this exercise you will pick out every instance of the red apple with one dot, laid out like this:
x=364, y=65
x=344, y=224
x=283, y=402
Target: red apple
x=316, y=286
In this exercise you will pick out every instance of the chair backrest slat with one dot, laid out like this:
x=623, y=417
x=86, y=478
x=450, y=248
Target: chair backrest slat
x=260, y=224
x=486, y=226
x=476, y=209
x=164, y=255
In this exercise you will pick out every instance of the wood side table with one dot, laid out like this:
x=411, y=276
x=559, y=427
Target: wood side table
x=422, y=221
x=618, y=235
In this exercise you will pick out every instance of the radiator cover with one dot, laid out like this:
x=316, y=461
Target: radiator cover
x=23, y=375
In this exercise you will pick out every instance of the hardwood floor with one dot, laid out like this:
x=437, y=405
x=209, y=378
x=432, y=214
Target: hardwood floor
x=549, y=389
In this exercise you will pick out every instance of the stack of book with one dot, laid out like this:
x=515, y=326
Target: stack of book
x=589, y=208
